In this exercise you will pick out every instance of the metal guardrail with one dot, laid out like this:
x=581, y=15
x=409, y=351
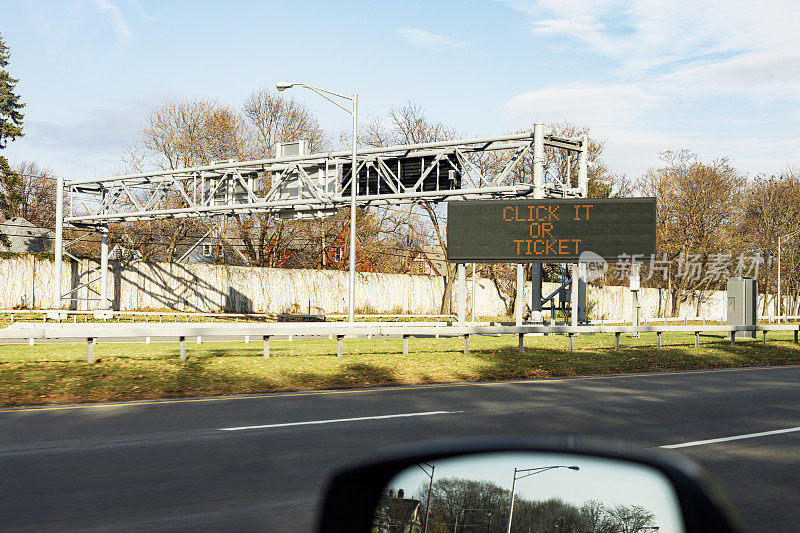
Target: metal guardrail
x=184, y=316
x=701, y=319
x=398, y=318
x=93, y=333
x=63, y=315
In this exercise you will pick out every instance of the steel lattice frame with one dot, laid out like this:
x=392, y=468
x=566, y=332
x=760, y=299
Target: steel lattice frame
x=304, y=186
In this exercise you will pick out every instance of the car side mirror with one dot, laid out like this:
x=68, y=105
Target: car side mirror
x=505, y=485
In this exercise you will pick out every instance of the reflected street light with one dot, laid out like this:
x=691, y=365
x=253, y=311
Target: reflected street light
x=430, y=488
x=326, y=94
x=526, y=472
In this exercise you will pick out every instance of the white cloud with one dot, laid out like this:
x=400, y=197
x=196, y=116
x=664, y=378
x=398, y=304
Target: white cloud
x=765, y=74
x=683, y=48
x=114, y=17
x=668, y=57
x=85, y=148
x=650, y=34
x=633, y=151
x=426, y=39
x=141, y=11
x=597, y=105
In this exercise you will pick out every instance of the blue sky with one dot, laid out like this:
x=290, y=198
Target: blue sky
x=722, y=79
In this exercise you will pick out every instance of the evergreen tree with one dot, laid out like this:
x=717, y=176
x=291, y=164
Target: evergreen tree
x=10, y=129
x=10, y=116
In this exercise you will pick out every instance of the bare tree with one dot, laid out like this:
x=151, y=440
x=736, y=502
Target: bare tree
x=408, y=125
x=275, y=119
x=630, y=518
x=698, y=219
x=772, y=210
x=272, y=118
x=35, y=194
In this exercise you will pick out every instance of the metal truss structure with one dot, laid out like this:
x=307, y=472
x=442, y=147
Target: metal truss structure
x=310, y=186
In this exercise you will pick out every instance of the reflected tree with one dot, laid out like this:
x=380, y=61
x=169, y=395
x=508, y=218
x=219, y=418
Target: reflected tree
x=467, y=506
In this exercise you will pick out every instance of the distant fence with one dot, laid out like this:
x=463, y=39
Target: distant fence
x=211, y=289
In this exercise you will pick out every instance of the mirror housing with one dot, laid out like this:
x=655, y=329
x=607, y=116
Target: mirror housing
x=354, y=490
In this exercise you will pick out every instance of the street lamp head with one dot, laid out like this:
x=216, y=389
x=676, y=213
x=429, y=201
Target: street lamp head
x=283, y=85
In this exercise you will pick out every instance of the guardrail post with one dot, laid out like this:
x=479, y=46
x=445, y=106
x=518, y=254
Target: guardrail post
x=90, y=350
x=616, y=341
x=182, y=342
x=521, y=342
x=571, y=347
x=764, y=340
x=466, y=344
x=733, y=338
x=696, y=339
x=795, y=336
x=658, y=340
x=405, y=344
x=339, y=345
x=266, y=346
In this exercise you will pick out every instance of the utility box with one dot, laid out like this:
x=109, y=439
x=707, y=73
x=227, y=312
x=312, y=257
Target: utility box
x=742, y=303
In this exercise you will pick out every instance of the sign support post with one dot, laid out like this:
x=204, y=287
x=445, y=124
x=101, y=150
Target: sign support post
x=462, y=294
x=518, y=301
x=634, y=287
x=538, y=194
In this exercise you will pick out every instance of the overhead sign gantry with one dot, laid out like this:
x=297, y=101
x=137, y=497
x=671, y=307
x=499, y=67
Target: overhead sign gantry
x=313, y=185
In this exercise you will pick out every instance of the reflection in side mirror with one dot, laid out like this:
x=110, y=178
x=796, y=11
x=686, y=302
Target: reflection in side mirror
x=498, y=485
x=528, y=492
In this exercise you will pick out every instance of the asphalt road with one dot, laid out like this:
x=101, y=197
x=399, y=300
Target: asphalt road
x=168, y=466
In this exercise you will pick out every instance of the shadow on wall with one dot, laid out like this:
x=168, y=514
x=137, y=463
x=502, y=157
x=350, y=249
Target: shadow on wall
x=236, y=302
x=177, y=287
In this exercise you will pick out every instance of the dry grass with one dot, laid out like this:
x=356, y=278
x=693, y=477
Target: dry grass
x=58, y=373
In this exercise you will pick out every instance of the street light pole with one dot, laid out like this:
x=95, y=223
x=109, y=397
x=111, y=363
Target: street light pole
x=282, y=86
x=513, y=493
x=526, y=472
x=351, y=297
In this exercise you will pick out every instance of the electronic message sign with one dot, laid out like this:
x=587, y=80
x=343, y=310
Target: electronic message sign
x=553, y=230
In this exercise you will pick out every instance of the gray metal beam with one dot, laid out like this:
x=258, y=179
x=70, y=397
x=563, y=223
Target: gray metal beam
x=170, y=331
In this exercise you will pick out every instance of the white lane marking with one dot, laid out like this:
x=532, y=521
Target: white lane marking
x=736, y=437
x=332, y=421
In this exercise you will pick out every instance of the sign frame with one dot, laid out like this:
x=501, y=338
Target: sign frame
x=536, y=231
